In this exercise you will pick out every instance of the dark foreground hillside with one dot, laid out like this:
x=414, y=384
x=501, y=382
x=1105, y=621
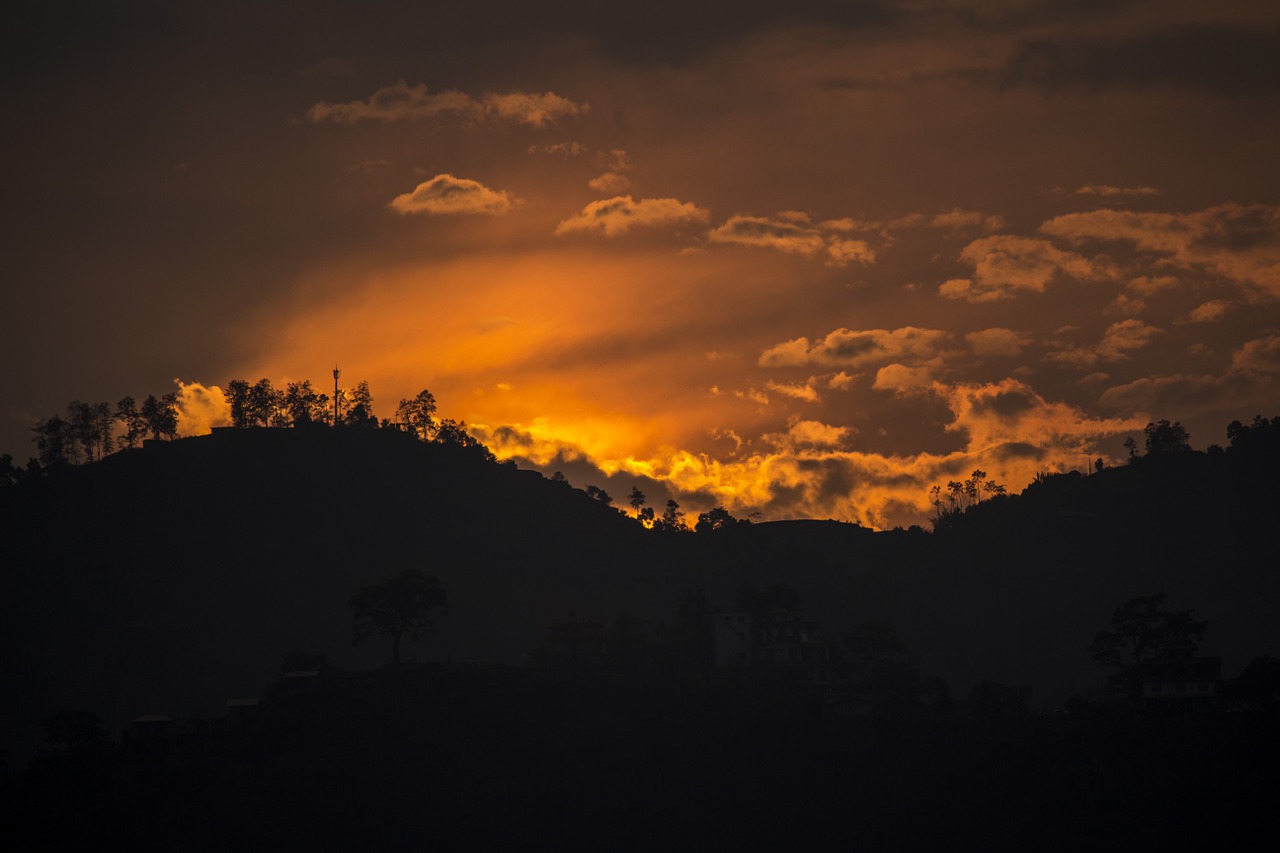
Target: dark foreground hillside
x=169, y=579
x=499, y=758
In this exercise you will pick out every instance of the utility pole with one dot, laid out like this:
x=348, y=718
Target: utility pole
x=335, y=395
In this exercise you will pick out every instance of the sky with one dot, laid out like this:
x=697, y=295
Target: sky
x=801, y=260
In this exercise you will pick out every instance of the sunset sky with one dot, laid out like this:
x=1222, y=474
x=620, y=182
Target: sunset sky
x=803, y=259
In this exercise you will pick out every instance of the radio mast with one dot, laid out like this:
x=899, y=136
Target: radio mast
x=335, y=394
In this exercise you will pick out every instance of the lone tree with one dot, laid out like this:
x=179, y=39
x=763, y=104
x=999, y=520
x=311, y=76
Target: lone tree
x=397, y=607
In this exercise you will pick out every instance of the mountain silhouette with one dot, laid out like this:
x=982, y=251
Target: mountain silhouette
x=168, y=578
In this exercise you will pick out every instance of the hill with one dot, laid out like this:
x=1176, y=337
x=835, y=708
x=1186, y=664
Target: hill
x=170, y=578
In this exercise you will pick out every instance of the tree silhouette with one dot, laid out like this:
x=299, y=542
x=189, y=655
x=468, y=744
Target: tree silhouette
x=397, y=607
x=303, y=405
x=263, y=404
x=161, y=416
x=1166, y=439
x=131, y=419
x=718, y=519
x=238, y=393
x=672, y=521
x=359, y=407
x=53, y=442
x=418, y=414
x=1141, y=628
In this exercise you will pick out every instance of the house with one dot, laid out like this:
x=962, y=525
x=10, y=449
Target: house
x=1178, y=680
x=576, y=641
x=241, y=709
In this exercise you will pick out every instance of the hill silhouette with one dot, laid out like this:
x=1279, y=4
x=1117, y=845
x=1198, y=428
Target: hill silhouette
x=168, y=578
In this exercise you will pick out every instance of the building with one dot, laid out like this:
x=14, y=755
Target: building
x=1177, y=680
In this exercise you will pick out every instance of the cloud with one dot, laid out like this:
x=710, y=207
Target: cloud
x=1117, y=342
x=790, y=231
x=841, y=253
x=1260, y=356
x=402, y=102
x=1220, y=59
x=753, y=395
x=840, y=381
x=799, y=390
x=1209, y=312
x=610, y=182
x=957, y=219
x=1234, y=241
x=1005, y=265
x=848, y=348
x=200, y=408
x=535, y=109
x=1125, y=305
x=998, y=342
x=1108, y=190
x=1149, y=285
x=901, y=379
x=803, y=434
x=445, y=194
x=397, y=102
x=561, y=149
x=613, y=216
x=1184, y=395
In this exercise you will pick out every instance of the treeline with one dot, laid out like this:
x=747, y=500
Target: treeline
x=90, y=431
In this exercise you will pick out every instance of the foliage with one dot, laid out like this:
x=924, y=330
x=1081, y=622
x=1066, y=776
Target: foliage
x=1166, y=439
x=417, y=414
x=75, y=730
x=1140, y=629
x=672, y=521
x=599, y=494
x=962, y=494
x=718, y=519
x=397, y=607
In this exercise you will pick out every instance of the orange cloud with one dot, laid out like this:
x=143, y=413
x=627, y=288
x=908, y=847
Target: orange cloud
x=998, y=342
x=845, y=347
x=1235, y=241
x=614, y=216
x=445, y=194
x=402, y=102
x=200, y=408
x=790, y=231
x=1117, y=342
x=1005, y=265
x=799, y=390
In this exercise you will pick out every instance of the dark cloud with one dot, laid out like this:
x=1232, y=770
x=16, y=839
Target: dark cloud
x=1221, y=60
x=1019, y=450
x=1006, y=404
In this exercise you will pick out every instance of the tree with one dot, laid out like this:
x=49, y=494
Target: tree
x=418, y=414
x=1166, y=439
x=303, y=405
x=263, y=404
x=397, y=608
x=636, y=499
x=1132, y=447
x=597, y=493
x=717, y=519
x=672, y=521
x=1141, y=628
x=134, y=426
x=89, y=426
x=237, y=393
x=54, y=445
x=161, y=416
x=359, y=407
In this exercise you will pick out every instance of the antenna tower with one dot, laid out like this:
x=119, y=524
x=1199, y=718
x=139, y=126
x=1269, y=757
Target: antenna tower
x=335, y=394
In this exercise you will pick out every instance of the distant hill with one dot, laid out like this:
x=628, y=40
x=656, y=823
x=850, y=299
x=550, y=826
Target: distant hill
x=170, y=578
